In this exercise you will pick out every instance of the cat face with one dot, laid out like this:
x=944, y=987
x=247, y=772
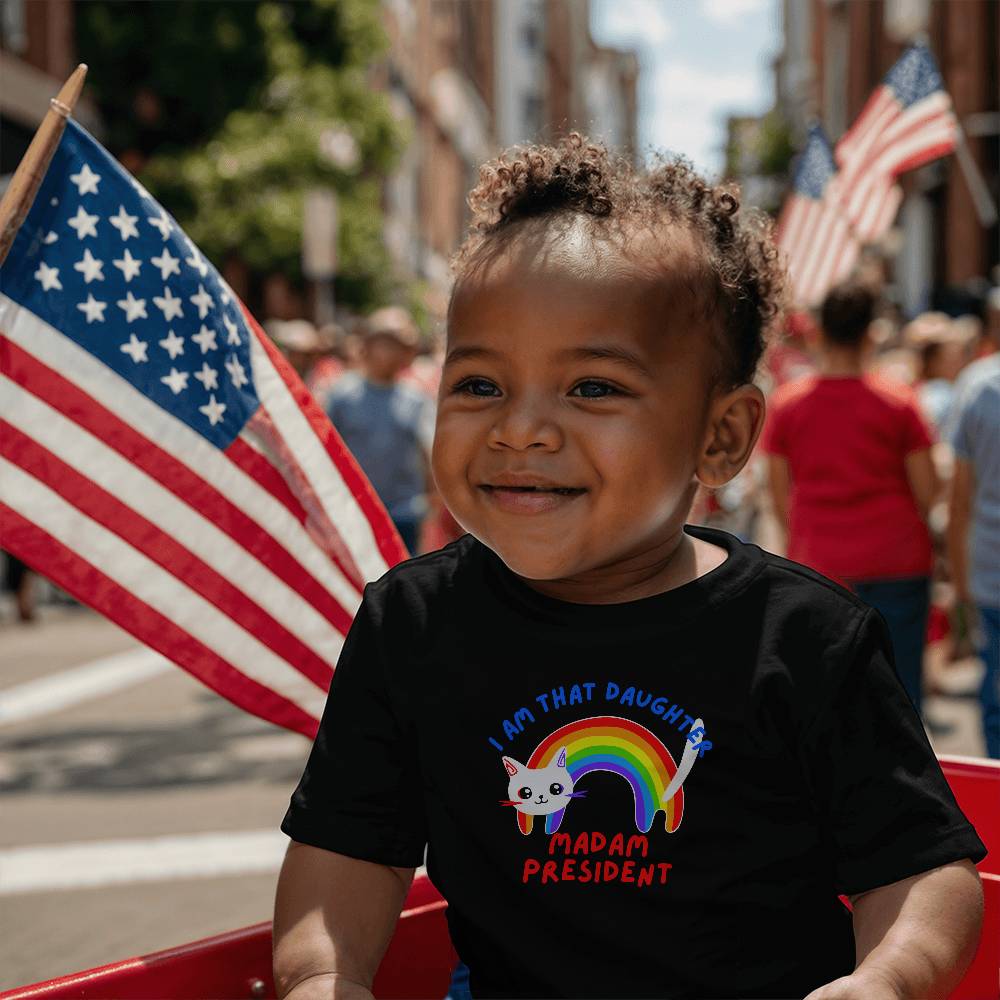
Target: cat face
x=539, y=791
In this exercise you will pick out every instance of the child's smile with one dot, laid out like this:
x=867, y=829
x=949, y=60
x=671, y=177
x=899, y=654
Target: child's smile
x=573, y=406
x=525, y=493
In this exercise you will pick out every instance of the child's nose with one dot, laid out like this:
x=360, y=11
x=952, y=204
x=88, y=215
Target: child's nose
x=526, y=422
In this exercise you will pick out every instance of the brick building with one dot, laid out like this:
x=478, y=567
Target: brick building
x=37, y=54
x=470, y=79
x=465, y=78
x=837, y=51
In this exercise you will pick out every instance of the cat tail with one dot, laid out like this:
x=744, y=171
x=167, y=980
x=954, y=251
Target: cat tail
x=688, y=758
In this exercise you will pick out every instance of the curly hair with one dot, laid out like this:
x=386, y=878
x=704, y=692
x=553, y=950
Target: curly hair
x=742, y=281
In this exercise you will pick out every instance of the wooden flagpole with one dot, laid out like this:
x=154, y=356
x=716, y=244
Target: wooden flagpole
x=20, y=193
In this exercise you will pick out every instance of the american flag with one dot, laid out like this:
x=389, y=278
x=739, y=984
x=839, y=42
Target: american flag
x=160, y=460
x=819, y=246
x=907, y=121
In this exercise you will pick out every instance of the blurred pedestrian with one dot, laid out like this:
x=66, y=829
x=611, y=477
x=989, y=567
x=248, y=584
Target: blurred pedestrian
x=852, y=478
x=354, y=338
x=974, y=532
x=424, y=375
x=987, y=362
x=298, y=341
x=328, y=365
x=388, y=425
x=943, y=347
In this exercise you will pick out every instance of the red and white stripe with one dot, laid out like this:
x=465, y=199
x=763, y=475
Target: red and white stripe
x=883, y=143
x=872, y=206
x=879, y=111
x=818, y=245
x=244, y=566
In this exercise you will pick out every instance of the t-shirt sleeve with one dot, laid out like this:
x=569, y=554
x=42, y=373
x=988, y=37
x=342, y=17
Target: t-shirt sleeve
x=360, y=793
x=917, y=432
x=882, y=799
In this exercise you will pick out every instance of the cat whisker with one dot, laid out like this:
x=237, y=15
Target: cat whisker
x=575, y=795
x=510, y=802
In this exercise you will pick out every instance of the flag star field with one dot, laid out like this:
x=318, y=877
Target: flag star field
x=816, y=166
x=914, y=77
x=98, y=259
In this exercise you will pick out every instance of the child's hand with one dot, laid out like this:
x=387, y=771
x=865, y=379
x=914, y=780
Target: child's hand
x=860, y=985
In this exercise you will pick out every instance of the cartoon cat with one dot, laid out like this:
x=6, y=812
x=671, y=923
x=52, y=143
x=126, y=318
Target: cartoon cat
x=539, y=791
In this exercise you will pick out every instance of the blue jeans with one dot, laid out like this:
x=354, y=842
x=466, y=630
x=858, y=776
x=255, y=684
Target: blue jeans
x=905, y=605
x=989, y=693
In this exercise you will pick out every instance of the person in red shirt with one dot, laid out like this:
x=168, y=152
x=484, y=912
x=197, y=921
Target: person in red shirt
x=851, y=475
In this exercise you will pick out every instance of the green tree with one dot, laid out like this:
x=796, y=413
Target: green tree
x=241, y=109
x=775, y=145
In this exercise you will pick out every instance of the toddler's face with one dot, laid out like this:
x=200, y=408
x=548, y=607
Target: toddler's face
x=573, y=404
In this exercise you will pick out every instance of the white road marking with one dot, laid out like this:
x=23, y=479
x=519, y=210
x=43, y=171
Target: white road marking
x=149, y=859
x=269, y=746
x=69, y=687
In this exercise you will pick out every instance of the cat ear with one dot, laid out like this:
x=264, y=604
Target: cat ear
x=512, y=766
x=561, y=757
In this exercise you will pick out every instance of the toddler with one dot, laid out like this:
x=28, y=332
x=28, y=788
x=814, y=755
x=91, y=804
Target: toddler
x=644, y=757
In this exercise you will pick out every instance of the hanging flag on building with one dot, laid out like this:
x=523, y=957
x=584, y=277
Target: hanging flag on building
x=819, y=246
x=160, y=461
x=907, y=122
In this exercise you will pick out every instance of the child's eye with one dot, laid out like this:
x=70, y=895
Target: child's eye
x=475, y=387
x=592, y=389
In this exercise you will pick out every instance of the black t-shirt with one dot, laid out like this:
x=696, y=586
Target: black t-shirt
x=661, y=798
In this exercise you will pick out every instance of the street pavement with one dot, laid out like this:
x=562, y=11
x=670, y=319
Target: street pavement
x=140, y=810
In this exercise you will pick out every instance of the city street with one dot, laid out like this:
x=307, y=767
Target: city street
x=141, y=811
x=294, y=288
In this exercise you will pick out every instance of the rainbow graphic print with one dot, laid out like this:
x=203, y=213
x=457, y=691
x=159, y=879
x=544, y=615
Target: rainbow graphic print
x=610, y=743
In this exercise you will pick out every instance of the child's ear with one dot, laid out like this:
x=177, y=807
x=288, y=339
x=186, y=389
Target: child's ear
x=735, y=420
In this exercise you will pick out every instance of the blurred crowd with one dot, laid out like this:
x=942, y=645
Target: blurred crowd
x=879, y=464
x=376, y=377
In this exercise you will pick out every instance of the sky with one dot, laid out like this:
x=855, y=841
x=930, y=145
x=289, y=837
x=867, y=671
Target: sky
x=700, y=61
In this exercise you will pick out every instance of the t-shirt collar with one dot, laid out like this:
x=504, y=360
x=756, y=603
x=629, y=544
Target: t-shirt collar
x=670, y=608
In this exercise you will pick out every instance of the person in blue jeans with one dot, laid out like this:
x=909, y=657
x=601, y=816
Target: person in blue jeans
x=388, y=425
x=974, y=530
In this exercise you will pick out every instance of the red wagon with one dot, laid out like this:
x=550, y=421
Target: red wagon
x=420, y=958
